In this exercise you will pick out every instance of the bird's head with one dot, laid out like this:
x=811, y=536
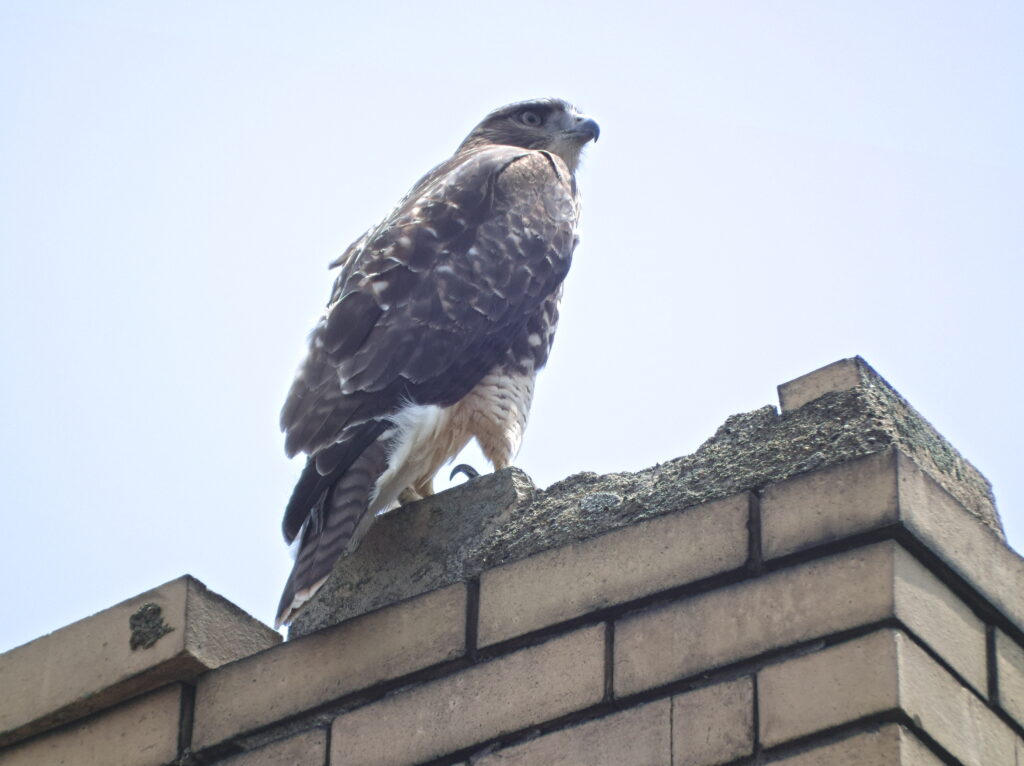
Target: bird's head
x=546, y=123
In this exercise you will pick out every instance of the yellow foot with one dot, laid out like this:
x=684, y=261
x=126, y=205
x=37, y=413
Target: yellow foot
x=408, y=495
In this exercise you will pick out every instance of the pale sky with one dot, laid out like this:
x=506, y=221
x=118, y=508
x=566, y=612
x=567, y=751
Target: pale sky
x=777, y=186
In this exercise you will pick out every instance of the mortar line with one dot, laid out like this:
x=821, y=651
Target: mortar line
x=186, y=717
x=755, y=554
x=472, y=617
x=609, y=660
x=991, y=665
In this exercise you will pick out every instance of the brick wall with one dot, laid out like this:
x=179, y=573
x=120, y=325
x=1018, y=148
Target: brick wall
x=852, y=604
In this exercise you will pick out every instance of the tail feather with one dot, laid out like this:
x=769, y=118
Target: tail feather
x=323, y=471
x=338, y=520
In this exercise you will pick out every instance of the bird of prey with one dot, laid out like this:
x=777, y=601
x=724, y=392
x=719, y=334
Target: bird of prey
x=439, y=319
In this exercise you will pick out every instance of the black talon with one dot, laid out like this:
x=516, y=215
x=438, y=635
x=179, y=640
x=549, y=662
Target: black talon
x=464, y=468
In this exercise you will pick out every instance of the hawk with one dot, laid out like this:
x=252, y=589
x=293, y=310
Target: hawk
x=439, y=319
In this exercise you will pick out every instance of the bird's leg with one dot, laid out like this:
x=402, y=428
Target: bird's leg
x=408, y=495
x=421, y=489
x=424, y=488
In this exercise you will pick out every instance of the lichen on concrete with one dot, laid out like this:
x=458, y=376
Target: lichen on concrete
x=455, y=535
x=147, y=626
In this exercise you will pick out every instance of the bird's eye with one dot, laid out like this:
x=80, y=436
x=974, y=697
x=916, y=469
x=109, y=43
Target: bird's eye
x=531, y=118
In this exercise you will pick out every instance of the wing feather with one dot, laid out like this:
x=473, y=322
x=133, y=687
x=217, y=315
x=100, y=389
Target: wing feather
x=428, y=301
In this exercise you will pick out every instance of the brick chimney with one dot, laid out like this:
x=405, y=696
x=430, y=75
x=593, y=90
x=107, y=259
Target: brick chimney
x=828, y=584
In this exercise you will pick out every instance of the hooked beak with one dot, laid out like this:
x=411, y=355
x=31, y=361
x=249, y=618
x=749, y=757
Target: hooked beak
x=586, y=129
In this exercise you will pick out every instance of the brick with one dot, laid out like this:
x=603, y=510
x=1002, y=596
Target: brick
x=879, y=673
x=1010, y=671
x=301, y=674
x=889, y=745
x=306, y=749
x=827, y=688
x=142, y=732
x=829, y=504
x=618, y=566
x=640, y=736
x=821, y=597
x=941, y=620
x=955, y=717
x=961, y=540
x=884, y=489
x=914, y=752
x=838, y=376
x=523, y=689
x=713, y=725
x=90, y=664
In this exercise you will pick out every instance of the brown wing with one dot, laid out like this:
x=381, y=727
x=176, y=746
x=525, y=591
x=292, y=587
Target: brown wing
x=436, y=294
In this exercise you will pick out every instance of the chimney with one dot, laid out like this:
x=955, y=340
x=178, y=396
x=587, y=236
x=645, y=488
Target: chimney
x=827, y=583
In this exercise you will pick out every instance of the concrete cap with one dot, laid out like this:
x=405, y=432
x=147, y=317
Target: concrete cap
x=171, y=633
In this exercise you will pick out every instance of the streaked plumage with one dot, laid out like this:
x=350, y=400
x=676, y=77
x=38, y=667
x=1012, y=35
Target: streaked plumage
x=438, y=322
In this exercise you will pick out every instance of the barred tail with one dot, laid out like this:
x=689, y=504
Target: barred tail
x=338, y=520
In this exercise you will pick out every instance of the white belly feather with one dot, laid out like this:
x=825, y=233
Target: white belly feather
x=426, y=436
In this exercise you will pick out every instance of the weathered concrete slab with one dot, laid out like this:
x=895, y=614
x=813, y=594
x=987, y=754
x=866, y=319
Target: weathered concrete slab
x=841, y=412
x=852, y=384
